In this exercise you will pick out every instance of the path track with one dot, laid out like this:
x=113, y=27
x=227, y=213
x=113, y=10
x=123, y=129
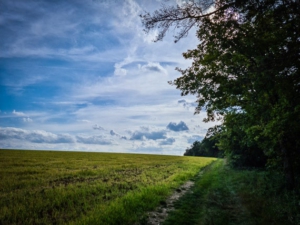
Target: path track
x=159, y=215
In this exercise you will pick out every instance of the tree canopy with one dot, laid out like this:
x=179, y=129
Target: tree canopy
x=245, y=72
x=207, y=148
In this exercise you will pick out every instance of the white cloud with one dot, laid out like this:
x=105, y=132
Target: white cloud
x=27, y=120
x=18, y=113
x=84, y=121
x=131, y=11
x=154, y=67
x=150, y=37
x=120, y=72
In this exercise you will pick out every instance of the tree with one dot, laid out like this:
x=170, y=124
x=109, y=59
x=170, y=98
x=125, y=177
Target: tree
x=185, y=17
x=246, y=68
x=193, y=150
x=242, y=151
x=207, y=147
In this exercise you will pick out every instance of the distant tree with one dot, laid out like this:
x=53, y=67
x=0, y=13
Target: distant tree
x=207, y=147
x=193, y=150
x=246, y=70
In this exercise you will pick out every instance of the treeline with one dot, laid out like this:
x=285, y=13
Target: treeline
x=220, y=143
x=207, y=148
x=245, y=73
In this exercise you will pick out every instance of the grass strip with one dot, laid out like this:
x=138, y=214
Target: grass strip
x=128, y=209
x=226, y=196
x=133, y=207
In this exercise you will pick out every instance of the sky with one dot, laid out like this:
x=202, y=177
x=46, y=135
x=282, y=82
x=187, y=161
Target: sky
x=84, y=76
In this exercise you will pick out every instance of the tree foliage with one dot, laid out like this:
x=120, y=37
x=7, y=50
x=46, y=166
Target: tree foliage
x=241, y=150
x=207, y=147
x=245, y=72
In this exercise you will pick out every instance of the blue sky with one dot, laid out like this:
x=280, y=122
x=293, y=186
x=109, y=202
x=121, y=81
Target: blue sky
x=82, y=75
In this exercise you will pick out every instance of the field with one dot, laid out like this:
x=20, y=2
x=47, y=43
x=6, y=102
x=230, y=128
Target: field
x=48, y=187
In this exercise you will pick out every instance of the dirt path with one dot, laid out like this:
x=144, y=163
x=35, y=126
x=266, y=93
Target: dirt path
x=159, y=215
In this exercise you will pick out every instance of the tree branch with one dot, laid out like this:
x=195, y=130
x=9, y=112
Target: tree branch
x=184, y=17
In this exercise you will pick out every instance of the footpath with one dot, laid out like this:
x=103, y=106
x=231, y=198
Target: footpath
x=223, y=196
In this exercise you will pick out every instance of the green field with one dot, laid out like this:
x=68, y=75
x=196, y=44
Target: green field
x=53, y=187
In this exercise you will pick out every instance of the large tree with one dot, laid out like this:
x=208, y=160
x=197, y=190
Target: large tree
x=247, y=63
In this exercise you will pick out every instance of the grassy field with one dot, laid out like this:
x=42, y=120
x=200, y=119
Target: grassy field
x=48, y=187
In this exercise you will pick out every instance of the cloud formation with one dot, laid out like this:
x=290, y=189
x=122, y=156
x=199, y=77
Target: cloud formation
x=14, y=112
x=40, y=136
x=27, y=120
x=146, y=134
x=35, y=136
x=99, y=140
x=115, y=134
x=181, y=126
x=187, y=104
x=97, y=127
x=168, y=141
x=154, y=67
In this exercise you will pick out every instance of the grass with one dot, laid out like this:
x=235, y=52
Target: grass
x=226, y=196
x=46, y=187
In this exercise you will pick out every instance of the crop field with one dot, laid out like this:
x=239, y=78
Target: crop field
x=53, y=187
